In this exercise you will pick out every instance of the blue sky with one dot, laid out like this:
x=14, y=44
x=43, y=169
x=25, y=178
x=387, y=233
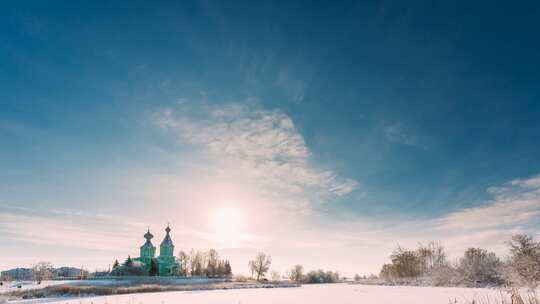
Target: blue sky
x=360, y=125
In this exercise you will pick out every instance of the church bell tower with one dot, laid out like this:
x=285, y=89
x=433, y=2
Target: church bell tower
x=148, y=250
x=166, y=249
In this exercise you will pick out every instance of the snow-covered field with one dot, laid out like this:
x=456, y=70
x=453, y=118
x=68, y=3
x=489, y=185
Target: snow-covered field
x=312, y=294
x=26, y=285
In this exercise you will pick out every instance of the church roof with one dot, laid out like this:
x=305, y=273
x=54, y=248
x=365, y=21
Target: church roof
x=148, y=236
x=167, y=241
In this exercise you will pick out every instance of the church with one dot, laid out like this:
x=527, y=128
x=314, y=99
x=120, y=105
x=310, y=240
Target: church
x=166, y=263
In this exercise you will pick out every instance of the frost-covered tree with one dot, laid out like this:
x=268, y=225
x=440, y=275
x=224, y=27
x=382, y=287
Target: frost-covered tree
x=296, y=274
x=480, y=267
x=43, y=271
x=260, y=265
x=524, y=264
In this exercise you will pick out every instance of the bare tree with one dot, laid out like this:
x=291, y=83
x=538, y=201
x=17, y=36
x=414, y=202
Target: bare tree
x=197, y=261
x=183, y=258
x=43, y=271
x=388, y=272
x=296, y=274
x=212, y=263
x=406, y=263
x=227, y=268
x=260, y=265
x=430, y=256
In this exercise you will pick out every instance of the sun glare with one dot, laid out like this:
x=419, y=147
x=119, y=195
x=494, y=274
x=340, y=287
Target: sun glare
x=227, y=225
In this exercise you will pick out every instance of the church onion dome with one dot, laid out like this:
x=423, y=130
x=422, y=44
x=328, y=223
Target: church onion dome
x=148, y=236
x=167, y=240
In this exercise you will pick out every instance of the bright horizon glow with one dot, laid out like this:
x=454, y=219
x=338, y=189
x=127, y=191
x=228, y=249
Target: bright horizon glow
x=227, y=226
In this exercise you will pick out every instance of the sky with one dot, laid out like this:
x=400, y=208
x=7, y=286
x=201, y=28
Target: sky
x=321, y=133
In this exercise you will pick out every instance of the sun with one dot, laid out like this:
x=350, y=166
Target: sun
x=227, y=225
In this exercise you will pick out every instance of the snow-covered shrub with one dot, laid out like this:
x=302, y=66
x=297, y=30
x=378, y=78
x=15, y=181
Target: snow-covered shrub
x=524, y=263
x=445, y=275
x=478, y=267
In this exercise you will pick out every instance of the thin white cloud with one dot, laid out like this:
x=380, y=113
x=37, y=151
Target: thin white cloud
x=77, y=229
x=264, y=145
x=533, y=182
x=515, y=203
x=70, y=231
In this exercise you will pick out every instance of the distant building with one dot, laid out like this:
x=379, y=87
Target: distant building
x=70, y=272
x=17, y=274
x=166, y=263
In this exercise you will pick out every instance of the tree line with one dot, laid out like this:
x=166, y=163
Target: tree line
x=260, y=267
x=203, y=263
x=429, y=264
x=296, y=274
x=193, y=263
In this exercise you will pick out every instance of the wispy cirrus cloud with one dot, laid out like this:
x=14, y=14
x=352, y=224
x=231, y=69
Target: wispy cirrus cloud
x=515, y=203
x=264, y=145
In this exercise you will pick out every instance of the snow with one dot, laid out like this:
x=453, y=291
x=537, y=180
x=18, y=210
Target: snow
x=312, y=294
x=27, y=285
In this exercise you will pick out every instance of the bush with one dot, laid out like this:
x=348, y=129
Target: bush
x=480, y=268
x=321, y=276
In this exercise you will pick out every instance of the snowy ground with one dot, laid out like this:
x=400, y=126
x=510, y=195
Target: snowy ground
x=26, y=285
x=312, y=294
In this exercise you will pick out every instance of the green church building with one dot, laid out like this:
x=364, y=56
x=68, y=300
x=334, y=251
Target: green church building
x=166, y=263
